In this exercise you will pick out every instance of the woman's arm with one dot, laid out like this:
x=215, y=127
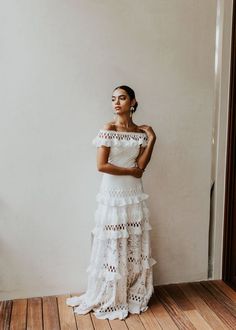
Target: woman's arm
x=104, y=166
x=146, y=153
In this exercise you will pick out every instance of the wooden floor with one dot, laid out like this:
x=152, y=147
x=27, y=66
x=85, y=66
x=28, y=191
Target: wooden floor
x=199, y=305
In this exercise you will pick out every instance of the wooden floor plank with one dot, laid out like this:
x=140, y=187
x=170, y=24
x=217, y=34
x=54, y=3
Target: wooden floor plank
x=18, y=314
x=178, y=316
x=50, y=313
x=100, y=324
x=66, y=314
x=161, y=314
x=5, y=314
x=118, y=324
x=226, y=289
x=177, y=294
x=206, y=312
x=34, y=314
x=84, y=321
x=220, y=296
x=149, y=321
x=221, y=311
x=133, y=322
x=197, y=320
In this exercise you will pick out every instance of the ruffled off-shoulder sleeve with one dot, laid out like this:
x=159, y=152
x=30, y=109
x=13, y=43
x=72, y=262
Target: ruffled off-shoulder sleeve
x=112, y=138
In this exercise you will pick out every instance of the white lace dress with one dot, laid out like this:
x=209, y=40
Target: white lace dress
x=120, y=277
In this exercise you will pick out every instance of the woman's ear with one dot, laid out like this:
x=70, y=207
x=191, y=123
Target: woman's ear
x=133, y=102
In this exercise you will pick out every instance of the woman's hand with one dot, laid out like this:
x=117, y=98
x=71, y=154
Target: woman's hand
x=149, y=131
x=146, y=152
x=136, y=172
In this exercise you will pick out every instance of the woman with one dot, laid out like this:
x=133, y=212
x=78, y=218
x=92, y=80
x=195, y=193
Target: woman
x=120, y=271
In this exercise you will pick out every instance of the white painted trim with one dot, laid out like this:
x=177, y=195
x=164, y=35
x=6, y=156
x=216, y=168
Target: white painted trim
x=224, y=21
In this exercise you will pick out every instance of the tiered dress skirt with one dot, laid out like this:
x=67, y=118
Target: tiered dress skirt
x=120, y=277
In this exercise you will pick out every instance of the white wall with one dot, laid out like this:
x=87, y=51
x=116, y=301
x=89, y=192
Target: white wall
x=60, y=62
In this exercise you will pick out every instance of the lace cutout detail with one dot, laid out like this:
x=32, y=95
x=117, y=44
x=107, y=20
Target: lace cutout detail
x=135, y=297
x=111, y=138
x=144, y=257
x=130, y=259
x=110, y=268
x=121, y=135
x=122, y=226
x=118, y=193
x=137, y=261
x=113, y=308
x=121, y=197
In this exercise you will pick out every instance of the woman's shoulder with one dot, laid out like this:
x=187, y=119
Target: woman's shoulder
x=109, y=126
x=139, y=130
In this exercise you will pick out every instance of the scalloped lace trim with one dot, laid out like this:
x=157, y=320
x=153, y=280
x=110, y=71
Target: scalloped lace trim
x=113, y=311
x=113, y=138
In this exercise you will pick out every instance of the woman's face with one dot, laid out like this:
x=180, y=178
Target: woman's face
x=121, y=101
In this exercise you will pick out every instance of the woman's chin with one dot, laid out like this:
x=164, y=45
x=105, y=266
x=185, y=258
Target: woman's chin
x=121, y=112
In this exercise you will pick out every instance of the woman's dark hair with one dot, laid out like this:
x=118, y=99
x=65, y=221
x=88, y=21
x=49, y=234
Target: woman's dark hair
x=131, y=94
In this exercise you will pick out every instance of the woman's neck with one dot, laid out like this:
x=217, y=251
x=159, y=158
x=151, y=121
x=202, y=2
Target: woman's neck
x=124, y=121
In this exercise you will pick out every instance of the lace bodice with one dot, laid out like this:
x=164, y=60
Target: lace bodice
x=124, y=146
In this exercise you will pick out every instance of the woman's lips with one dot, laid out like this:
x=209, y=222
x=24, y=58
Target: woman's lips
x=117, y=108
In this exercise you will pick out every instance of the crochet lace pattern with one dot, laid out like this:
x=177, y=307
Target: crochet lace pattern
x=110, y=138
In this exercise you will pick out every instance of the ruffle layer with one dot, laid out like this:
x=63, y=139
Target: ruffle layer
x=121, y=310
x=120, y=313
x=120, y=201
x=114, y=276
x=109, y=215
x=114, y=223
x=121, y=222
x=101, y=233
x=117, y=139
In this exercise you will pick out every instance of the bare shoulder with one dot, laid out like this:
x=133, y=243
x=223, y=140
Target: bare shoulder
x=149, y=131
x=145, y=126
x=109, y=126
x=141, y=128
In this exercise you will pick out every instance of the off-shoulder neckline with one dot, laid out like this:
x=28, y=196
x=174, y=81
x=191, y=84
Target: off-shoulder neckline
x=120, y=132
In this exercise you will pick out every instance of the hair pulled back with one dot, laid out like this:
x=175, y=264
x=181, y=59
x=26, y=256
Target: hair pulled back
x=131, y=94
